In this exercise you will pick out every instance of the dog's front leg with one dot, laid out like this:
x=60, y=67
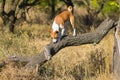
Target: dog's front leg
x=59, y=36
x=74, y=32
x=72, y=23
x=63, y=32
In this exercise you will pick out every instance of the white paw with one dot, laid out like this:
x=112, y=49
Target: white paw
x=54, y=40
x=74, y=34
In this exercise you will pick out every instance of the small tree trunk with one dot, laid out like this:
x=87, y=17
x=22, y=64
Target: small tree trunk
x=116, y=54
x=53, y=8
x=11, y=26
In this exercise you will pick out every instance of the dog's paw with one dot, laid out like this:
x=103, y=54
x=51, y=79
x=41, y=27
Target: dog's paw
x=54, y=40
x=74, y=34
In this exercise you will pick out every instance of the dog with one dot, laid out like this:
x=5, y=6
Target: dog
x=59, y=22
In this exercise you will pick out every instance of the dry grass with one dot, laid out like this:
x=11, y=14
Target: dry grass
x=85, y=62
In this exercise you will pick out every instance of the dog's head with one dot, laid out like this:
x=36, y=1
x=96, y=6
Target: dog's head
x=54, y=35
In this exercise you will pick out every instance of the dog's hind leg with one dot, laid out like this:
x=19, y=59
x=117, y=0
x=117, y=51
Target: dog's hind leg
x=72, y=23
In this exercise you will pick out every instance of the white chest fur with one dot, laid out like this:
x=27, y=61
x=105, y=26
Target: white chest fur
x=55, y=27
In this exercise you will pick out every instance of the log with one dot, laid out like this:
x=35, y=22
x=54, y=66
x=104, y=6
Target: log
x=116, y=54
x=52, y=48
x=87, y=38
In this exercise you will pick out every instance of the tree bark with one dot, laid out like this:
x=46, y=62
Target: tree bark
x=116, y=54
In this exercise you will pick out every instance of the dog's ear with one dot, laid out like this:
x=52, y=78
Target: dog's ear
x=50, y=30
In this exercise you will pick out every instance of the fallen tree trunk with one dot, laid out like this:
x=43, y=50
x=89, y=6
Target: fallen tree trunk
x=51, y=49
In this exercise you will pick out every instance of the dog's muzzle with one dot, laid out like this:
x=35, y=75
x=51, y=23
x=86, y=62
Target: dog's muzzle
x=54, y=40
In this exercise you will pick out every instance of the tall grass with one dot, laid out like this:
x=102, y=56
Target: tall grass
x=25, y=41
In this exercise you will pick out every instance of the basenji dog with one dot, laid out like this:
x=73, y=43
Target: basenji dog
x=58, y=29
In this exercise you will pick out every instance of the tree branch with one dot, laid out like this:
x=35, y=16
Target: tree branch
x=13, y=4
x=101, y=7
x=26, y=3
x=2, y=7
x=68, y=2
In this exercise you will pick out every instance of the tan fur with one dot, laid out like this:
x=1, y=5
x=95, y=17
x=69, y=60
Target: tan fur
x=64, y=16
x=59, y=22
x=53, y=34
